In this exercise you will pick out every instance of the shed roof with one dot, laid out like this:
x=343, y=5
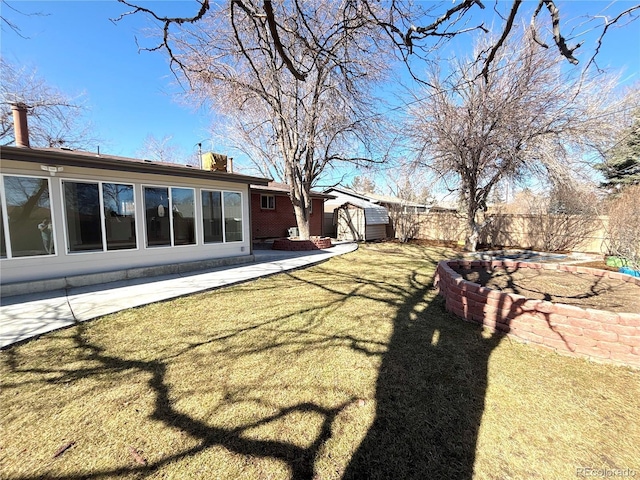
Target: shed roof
x=374, y=214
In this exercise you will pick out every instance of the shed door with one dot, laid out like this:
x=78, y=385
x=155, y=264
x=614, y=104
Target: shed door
x=351, y=223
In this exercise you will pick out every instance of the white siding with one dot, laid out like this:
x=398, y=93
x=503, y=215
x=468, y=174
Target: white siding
x=67, y=264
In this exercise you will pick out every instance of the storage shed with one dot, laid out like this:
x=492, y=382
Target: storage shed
x=361, y=220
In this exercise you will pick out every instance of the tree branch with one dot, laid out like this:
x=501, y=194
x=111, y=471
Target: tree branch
x=505, y=33
x=608, y=23
x=273, y=29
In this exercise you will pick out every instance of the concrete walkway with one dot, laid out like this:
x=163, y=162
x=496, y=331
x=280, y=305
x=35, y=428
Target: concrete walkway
x=27, y=316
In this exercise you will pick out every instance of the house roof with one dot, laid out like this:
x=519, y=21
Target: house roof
x=77, y=158
x=346, y=191
x=283, y=188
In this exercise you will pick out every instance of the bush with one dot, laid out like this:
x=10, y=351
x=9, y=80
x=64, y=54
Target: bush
x=623, y=232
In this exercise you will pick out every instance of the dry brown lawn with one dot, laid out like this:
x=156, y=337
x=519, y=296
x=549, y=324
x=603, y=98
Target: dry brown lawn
x=349, y=369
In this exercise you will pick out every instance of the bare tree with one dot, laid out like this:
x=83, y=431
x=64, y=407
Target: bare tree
x=161, y=150
x=411, y=192
x=363, y=184
x=294, y=126
x=524, y=117
x=416, y=28
x=623, y=231
x=55, y=119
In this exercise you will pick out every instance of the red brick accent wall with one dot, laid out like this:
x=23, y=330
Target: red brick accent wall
x=595, y=334
x=315, y=243
x=275, y=223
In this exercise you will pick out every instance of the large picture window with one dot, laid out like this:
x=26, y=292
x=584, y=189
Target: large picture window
x=92, y=209
x=183, y=214
x=156, y=207
x=170, y=215
x=29, y=222
x=222, y=216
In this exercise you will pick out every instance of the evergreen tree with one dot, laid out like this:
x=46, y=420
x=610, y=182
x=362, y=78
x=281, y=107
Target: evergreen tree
x=621, y=167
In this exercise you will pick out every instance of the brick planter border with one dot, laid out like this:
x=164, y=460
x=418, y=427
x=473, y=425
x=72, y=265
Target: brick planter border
x=314, y=243
x=595, y=334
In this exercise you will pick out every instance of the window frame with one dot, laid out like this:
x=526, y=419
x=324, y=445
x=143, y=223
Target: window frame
x=270, y=198
x=224, y=216
x=172, y=243
x=5, y=218
x=103, y=217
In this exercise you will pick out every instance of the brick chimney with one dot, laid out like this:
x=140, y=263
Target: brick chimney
x=20, y=128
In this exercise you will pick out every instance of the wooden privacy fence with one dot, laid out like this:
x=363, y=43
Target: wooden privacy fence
x=580, y=233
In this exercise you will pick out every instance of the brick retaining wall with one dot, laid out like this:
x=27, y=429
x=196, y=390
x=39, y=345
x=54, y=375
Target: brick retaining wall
x=314, y=243
x=595, y=334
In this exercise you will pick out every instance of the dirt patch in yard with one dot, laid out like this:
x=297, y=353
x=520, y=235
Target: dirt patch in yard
x=578, y=289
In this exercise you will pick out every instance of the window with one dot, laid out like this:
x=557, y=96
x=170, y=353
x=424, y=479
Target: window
x=212, y=216
x=92, y=209
x=28, y=217
x=222, y=216
x=170, y=215
x=82, y=213
x=119, y=216
x=232, y=217
x=267, y=202
x=156, y=208
x=183, y=213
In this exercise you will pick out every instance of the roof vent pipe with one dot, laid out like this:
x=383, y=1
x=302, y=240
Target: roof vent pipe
x=20, y=128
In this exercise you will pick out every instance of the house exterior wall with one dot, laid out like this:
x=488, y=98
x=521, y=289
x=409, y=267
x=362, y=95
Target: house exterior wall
x=64, y=263
x=329, y=226
x=275, y=223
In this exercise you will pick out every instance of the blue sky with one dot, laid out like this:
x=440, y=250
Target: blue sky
x=77, y=48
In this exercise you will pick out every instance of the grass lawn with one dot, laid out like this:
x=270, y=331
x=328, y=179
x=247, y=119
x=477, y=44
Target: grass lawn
x=349, y=369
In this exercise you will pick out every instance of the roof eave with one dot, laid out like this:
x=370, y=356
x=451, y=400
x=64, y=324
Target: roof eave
x=76, y=159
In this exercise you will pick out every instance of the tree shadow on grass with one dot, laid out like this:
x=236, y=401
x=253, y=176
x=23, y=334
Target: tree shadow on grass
x=430, y=396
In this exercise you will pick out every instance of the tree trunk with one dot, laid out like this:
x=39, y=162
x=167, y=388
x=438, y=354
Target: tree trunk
x=471, y=241
x=473, y=235
x=303, y=222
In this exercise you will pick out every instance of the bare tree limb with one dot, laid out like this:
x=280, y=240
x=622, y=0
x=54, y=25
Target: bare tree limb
x=505, y=33
x=607, y=24
x=565, y=51
x=271, y=21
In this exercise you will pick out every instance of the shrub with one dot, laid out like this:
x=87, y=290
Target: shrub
x=623, y=232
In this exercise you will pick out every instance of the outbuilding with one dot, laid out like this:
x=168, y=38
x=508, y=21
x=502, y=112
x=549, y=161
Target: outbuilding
x=361, y=220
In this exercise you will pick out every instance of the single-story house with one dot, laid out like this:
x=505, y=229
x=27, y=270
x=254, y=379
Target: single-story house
x=71, y=213
x=272, y=214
